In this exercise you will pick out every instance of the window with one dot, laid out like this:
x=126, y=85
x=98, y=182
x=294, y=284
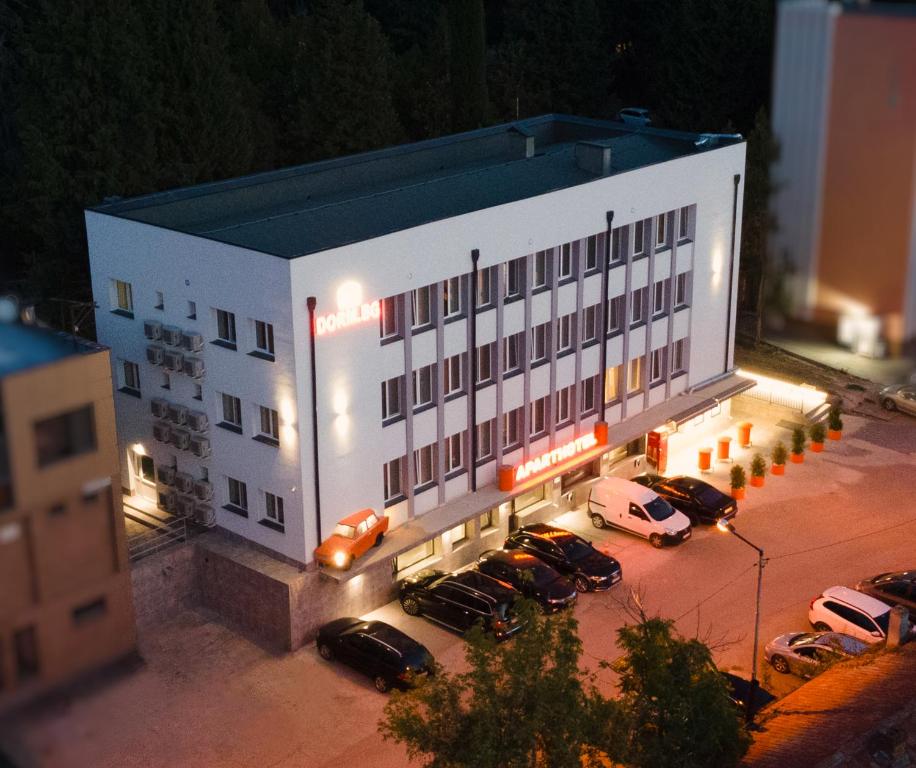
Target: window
x=485, y=279
x=198, y=392
x=225, y=327
x=589, y=401
x=488, y=519
x=513, y=349
x=683, y=227
x=485, y=363
x=454, y=453
x=657, y=366
x=639, y=238
x=421, y=307
x=393, y=478
x=618, y=242
x=634, y=375
x=392, y=405
x=89, y=612
x=166, y=381
x=680, y=290
x=192, y=310
x=564, y=333
x=264, y=338
x=238, y=493
x=539, y=343
x=679, y=356
x=513, y=273
x=615, y=310
x=611, y=384
x=423, y=386
x=591, y=254
x=274, y=507
x=565, y=263
x=122, y=298
x=564, y=412
x=130, y=377
x=61, y=437
x=270, y=424
x=232, y=411
x=390, y=319
x=539, y=417
x=417, y=554
x=424, y=462
x=452, y=297
x=541, y=276
x=453, y=375
x=659, y=292
x=459, y=534
x=661, y=230
x=160, y=300
x=638, y=308
x=485, y=440
x=590, y=324
x=25, y=647
x=512, y=429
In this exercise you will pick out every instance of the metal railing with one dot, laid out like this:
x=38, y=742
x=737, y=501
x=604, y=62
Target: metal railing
x=164, y=535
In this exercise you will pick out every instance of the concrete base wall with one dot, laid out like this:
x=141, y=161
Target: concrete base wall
x=164, y=585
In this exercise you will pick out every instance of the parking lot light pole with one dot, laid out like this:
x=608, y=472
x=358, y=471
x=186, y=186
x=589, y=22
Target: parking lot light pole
x=727, y=527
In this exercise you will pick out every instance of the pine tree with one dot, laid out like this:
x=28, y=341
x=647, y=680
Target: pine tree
x=467, y=63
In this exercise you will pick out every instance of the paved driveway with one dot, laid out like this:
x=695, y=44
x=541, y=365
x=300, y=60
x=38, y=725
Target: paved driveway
x=207, y=697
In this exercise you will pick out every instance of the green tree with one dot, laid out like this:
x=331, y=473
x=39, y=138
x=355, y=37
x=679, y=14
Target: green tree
x=467, y=63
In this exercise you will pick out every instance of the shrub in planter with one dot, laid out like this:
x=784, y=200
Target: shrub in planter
x=834, y=424
x=758, y=470
x=817, y=432
x=739, y=480
x=779, y=456
x=798, y=445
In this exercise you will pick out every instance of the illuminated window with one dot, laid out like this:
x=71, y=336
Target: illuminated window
x=634, y=375
x=564, y=333
x=565, y=263
x=459, y=534
x=638, y=307
x=452, y=297
x=122, y=297
x=539, y=417
x=683, y=227
x=589, y=401
x=512, y=429
x=392, y=401
x=590, y=324
x=540, y=275
x=657, y=366
x=454, y=452
x=564, y=412
x=488, y=519
x=485, y=440
x=421, y=307
x=453, y=375
x=612, y=384
x=513, y=350
x=393, y=479
x=539, y=343
x=417, y=554
x=681, y=287
x=424, y=462
x=423, y=386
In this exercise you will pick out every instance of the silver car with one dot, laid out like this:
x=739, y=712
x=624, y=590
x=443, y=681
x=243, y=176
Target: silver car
x=806, y=654
x=899, y=397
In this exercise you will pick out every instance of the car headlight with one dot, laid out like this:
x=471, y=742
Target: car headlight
x=671, y=531
x=340, y=558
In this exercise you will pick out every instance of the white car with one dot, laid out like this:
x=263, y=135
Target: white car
x=841, y=609
x=619, y=503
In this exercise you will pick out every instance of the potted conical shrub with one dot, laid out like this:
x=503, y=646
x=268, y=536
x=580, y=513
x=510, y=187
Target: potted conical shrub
x=817, y=432
x=739, y=480
x=758, y=470
x=834, y=424
x=798, y=445
x=779, y=456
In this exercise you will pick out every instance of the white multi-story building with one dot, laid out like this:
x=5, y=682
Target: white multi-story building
x=480, y=301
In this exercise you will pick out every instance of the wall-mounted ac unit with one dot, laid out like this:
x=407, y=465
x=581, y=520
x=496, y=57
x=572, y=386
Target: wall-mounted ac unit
x=203, y=490
x=167, y=500
x=184, y=482
x=152, y=329
x=166, y=475
x=198, y=421
x=178, y=414
x=159, y=407
x=194, y=367
x=172, y=360
x=192, y=341
x=200, y=446
x=171, y=335
x=162, y=432
x=181, y=438
x=204, y=515
x=184, y=506
x=154, y=354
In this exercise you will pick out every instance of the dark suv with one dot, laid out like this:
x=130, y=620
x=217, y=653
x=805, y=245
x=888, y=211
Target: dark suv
x=460, y=600
x=701, y=502
x=571, y=555
x=895, y=588
x=529, y=575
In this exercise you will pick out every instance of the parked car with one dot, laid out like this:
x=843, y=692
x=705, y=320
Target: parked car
x=619, y=503
x=841, y=609
x=353, y=536
x=895, y=588
x=571, y=555
x=739, y=690
x=807, y=653
x=384, y=653
x=529, y=575
x=634, y=116
x=899, y=397
x=700, y=501
x=460, y=600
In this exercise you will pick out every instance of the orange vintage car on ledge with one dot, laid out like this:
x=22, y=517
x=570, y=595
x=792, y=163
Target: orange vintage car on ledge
x=352, y=537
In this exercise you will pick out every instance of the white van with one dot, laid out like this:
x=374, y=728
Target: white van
x=624, y=504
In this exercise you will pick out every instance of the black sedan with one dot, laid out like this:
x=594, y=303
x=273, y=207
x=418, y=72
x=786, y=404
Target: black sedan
x=530, y=576
x=571, y=555
x=387, y=655
x=701, y=502
x=895, y=588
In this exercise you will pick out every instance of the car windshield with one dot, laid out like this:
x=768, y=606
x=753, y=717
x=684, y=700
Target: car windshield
x=659, y=509
x=575, y=548
x=541, y=574
x=345, y=531
x=804, y=637
x=710, y=495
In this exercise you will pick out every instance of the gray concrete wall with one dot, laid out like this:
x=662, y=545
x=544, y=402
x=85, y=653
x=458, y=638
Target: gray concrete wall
x=164, y=585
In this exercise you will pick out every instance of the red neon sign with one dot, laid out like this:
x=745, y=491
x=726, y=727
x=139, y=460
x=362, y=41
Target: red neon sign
x=556, y=456
x=336, y=321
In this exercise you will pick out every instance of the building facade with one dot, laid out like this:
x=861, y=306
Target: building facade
x=65, y=601
x=476, y=305
x=844, y=111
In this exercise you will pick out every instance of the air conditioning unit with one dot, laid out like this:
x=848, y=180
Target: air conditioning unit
x=181, y=438
x=204, y=515
x=162, y=432
x=203, y=490
x=198, y=421
x=172, y=360
x=200, y=446
x=194, y=367
x=166, y=475
x=171, y=335
x=178, y=414
x=184, y=506
x=184, y=482
x=167, y=500
x=191, y=341
x=159, y=407
x=152, y=329
x=154, y=354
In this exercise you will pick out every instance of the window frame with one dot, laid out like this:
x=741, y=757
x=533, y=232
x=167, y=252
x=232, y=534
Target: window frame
x=635, y=384
x=616, y=311
x=271, y=418
x=77, y=438
x=539, y=412
x=417, y=303
x=452, y=289
x=428, y=451
x=638, y=306
x=390, y=321
x=485, y=288
x=513, y=424
x=485, y=428
x=485, y=352
x=588, y=400
x=395, y=468
x=417, y=382
x=657, y=366
x=682, y=290
x=565, y=337
x=277, y=515
x=396, y=384
x=130, y=378
x=237, y=494
x=236, y=411
x=612, y=384
x=566, y=264
x=453, y=376
x=683, y=226
x=264, y=332
x=226, y=332
x=660, y=286
x=513, y=272
x=540, y=348
x=592, y=258
x=590, y=324
x=661, y=231
x=513, y=344
x=564, y=411
x=454, y=450
x=639, y=239
x=541, y=262
x=122, y=298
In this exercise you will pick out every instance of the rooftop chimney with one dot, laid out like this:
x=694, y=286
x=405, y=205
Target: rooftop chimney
x=593, y=157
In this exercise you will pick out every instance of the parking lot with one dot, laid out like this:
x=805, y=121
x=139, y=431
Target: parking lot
x=209, y=697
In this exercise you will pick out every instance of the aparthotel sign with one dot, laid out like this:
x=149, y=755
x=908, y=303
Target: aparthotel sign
x=344, y=318
x=556, y=456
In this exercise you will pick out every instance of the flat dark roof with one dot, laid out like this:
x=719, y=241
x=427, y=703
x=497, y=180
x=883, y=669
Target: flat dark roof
x=309, y=208
x=29, y=346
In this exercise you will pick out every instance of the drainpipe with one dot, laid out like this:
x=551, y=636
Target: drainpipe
x=605, y=290
x=311, y=303
x=472, y=384
x=731, y=268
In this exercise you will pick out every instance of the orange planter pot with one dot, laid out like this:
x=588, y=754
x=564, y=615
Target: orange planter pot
x=738, y=493
x=724, y=447
x=757, y=482
x=744, y=434
x=817, y=447
x=705, y=459
x=778, y=469
x=797, y=458
x=834, y=434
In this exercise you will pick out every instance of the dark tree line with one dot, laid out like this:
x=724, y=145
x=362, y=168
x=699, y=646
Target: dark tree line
x=102, y=98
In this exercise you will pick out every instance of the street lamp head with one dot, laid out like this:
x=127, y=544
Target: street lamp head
x=725, y=526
